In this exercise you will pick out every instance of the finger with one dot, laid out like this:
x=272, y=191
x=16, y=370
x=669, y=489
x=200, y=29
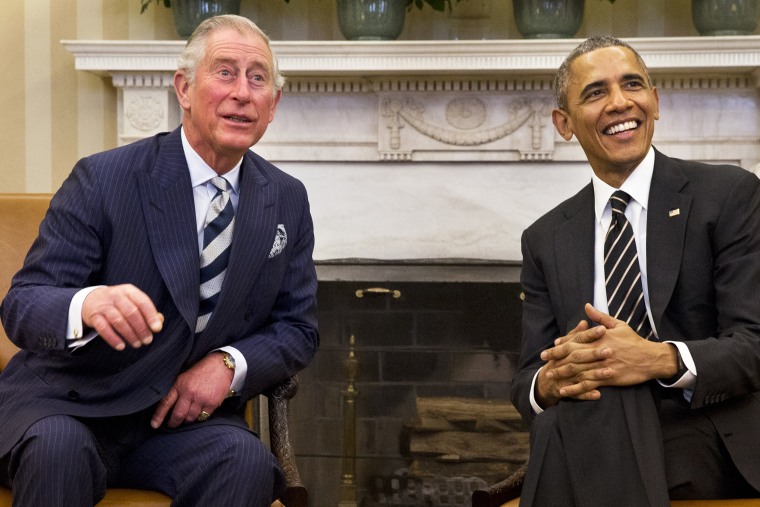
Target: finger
x=602, y=318
x=582, y=326
x=182, y=412
x=586, y=383
x=105, y=331
x=121, y=324
x=146, y=312
x=561, y=352
x=140, y=314
x=163, y=407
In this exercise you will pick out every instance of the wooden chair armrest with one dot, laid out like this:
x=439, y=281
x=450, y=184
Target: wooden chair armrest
x=502, y=492
x=279, y=400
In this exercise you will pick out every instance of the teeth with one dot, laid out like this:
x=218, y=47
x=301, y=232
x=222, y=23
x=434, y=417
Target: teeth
x=629, y=125
x=237, y=118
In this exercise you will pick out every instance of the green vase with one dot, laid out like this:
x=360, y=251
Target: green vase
x=371, y=19
x=188, y=14
x=724, y=17
x=548, y=19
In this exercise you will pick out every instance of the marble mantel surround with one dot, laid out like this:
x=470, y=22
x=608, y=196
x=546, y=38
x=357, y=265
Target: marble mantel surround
x=444, y=150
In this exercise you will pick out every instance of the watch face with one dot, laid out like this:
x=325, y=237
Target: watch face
x=229, y=361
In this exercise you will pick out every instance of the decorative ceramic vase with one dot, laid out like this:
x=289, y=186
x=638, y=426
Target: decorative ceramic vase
x=724, y=17
x=371, y=19
x=548, y=19
x=188, y=14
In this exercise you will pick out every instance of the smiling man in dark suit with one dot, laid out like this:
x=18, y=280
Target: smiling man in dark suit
x=172, y=281
x=659, y=400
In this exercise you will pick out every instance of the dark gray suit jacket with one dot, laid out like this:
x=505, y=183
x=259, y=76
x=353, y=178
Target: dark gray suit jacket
x=127, y=216
x=703, y=267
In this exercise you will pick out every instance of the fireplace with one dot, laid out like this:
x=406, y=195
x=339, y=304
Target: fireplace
x=441, y=331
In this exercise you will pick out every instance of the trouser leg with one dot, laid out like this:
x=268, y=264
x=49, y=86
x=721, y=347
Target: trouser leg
x=608, y=452
x=56, y=463
x=214, y=464
x=547, y=483
x=698, y=465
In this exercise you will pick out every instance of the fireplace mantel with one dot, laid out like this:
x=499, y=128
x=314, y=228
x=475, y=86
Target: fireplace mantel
x=444, y=149
x=671, y=55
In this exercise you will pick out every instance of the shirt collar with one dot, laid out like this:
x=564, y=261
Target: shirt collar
x=201, y=172
x=636, y=185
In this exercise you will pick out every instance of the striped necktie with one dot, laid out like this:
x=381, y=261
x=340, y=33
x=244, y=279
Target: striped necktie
x=625, y=297
x=217, y=239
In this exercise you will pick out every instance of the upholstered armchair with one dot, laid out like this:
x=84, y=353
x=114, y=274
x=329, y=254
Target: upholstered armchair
x=20, y=215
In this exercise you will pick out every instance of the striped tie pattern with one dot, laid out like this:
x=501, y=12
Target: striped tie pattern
x=625, y=297
x=217, y=241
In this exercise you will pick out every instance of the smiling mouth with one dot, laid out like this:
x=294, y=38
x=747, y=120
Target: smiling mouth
x=622, y=127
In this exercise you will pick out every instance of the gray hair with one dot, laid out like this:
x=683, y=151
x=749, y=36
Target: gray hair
x=562, y=78
x=195, y=48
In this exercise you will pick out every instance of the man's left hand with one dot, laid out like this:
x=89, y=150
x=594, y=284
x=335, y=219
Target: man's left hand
x=202, y=388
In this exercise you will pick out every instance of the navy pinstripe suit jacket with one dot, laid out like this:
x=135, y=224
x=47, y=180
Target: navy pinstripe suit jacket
x=127, y=216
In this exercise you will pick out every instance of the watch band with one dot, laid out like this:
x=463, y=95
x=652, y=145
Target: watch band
x=682, y=369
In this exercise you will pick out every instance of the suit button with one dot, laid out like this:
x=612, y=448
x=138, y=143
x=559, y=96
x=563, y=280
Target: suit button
x=73, y=395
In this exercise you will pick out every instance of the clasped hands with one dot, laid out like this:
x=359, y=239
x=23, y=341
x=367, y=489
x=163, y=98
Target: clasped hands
x=124, y=315
x=610, y=354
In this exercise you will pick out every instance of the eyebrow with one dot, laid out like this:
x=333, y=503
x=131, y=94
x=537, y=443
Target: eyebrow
x=597, y=84
x=226, y=60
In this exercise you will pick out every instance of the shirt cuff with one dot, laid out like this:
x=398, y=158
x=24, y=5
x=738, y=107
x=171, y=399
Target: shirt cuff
x=74, y=327
x=241, y=368
x=689, y=379
x=533, y=403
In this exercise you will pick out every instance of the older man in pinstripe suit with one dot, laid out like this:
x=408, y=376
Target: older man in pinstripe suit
x=130, y=374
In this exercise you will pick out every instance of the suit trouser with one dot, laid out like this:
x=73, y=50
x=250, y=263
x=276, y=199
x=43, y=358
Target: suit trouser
x=201, y=464
x=627, y=449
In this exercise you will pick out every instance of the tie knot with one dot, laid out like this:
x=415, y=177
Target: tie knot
x=220, y=183
x=619, y=201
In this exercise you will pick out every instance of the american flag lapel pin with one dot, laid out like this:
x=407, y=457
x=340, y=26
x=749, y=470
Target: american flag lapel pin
x=674, y=212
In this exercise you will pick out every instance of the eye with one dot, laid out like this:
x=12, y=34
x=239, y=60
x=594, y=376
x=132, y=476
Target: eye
x=593, y=94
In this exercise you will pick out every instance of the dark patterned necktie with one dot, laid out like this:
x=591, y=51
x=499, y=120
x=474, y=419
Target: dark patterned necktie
x=625, y=297
x=217, y=240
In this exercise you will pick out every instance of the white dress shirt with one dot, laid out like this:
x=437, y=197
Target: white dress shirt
x=637, y=186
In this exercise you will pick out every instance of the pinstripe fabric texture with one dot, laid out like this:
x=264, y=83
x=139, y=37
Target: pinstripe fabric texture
x=127, y=216
x=625, y=296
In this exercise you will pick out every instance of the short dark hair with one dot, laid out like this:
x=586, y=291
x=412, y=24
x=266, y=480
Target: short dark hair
x=562, y=77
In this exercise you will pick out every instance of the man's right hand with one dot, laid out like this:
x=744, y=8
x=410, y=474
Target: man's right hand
x=122, y=315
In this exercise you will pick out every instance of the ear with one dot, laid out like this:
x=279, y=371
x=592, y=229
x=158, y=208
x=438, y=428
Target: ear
x=562, y=123
x=274, y=105
x=657, y=104
x=182, y=89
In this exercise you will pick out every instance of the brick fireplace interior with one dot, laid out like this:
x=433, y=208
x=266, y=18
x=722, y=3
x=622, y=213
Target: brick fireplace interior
x=439, y=338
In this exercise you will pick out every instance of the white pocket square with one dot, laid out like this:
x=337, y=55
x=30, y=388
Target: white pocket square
x=280, y=240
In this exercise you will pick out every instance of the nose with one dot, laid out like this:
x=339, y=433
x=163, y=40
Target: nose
x=241, y=89
x=618, y=99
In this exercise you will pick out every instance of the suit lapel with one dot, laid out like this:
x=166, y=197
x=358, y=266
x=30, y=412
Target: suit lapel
x=166, y=192
x=574, y=244
x=667, y=217
x=255, y=228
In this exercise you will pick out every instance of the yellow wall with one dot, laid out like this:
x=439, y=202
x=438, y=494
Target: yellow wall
x=52, y=114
